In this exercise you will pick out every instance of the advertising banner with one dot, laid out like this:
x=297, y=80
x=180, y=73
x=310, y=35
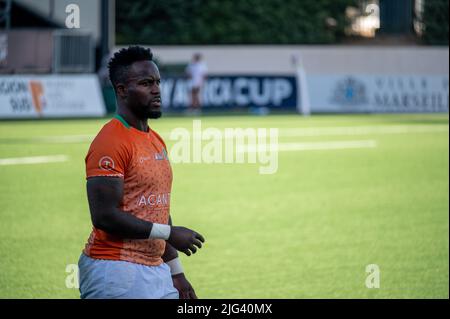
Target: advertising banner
x=47, y=96
x=227, y=92
x=378, y=93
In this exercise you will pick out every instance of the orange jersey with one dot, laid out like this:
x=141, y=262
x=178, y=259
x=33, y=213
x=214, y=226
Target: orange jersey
x=140, y=158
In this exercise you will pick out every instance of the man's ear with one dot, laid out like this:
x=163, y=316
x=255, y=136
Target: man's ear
x=122, y=91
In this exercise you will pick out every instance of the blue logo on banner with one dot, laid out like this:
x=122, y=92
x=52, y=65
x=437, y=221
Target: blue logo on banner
x=350, y=92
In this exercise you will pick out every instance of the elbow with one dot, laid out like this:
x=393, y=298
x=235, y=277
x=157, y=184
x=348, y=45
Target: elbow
x=97, y=223
x=101, y=221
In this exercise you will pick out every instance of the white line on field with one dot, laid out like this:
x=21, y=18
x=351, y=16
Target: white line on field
x=353, y=130
x=33, y=160
x=332, y=145
x=308, y=146
x=287, y=132
x=64, y=139
x=363, y=130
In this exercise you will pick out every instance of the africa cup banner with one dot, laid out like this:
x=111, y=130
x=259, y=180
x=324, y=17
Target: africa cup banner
x=359, y=93
x=39, y=96
x=228, y=92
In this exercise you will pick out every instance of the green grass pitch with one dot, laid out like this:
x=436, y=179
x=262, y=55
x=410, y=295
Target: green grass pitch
x=307, y=231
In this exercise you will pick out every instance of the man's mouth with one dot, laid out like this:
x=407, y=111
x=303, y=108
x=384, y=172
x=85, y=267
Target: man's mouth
x=156, y=102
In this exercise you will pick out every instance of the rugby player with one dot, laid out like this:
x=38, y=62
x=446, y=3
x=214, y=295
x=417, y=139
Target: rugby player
x=132, y=249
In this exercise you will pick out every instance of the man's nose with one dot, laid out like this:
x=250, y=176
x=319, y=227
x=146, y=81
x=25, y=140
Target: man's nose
x=156, y=89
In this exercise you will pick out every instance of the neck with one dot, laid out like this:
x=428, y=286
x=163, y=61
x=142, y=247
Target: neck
x=132, y=120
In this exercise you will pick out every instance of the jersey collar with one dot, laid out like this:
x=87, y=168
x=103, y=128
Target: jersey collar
x=122, y=120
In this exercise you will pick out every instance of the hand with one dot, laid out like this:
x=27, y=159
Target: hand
x=183, y=286
x=185, y=240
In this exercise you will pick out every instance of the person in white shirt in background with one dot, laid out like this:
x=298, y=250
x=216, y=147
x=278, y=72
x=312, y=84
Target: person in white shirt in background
x=196, y=72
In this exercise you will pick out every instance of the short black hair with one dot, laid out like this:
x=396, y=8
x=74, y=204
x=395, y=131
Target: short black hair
x=119, y=64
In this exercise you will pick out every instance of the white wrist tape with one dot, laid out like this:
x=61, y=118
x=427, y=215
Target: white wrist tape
x=175, y=266
x=160, y=231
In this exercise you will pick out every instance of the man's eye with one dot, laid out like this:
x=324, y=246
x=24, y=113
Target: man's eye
x=150, y=83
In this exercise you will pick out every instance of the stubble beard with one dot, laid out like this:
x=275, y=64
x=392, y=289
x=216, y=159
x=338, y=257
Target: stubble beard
x=144, y=112
x=154, y=114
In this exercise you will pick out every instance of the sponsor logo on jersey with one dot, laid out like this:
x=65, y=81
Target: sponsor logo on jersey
x=106, y=163
x=154, y=200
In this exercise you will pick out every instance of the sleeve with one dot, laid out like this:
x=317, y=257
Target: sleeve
x=107, y=158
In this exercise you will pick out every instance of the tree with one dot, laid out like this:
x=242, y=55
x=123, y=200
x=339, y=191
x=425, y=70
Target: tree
x=230, y=21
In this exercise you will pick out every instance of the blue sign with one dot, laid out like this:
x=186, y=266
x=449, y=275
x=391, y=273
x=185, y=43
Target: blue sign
x=224, y=92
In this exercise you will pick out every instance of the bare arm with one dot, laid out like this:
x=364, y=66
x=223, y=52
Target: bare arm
x=105, y=195
x=184, y=287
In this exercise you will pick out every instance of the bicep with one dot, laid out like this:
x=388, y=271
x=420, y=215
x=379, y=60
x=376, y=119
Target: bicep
x=104, y=195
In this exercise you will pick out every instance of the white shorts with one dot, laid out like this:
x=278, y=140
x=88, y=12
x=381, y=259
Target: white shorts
x=115, y=279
